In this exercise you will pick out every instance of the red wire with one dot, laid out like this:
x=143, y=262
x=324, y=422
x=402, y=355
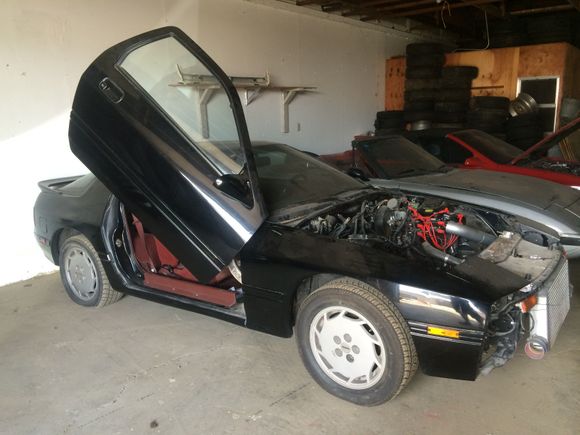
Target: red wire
x=427, y=230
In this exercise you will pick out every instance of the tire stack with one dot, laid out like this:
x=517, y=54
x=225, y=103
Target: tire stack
x=422, y=81
x=551, y=28
x=452, y=97
x=389, y=122
x=508, y=33
x=524, y=130
x=489, y=114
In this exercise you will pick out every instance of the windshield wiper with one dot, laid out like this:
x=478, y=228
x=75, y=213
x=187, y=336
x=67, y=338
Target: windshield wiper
x=413, y=171
x=351, y=193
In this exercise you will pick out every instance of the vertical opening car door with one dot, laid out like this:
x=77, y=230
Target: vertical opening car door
x=162, y=126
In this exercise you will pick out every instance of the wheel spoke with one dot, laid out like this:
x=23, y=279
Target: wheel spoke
x=370, y=374
x=378, y=362
x=373, y=337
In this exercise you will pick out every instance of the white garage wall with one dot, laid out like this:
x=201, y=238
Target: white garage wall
x=45, y=46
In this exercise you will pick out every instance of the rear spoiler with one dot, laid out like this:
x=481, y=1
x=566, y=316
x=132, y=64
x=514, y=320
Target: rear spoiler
x=56, y=183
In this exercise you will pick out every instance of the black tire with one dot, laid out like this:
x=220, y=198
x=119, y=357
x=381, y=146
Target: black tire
x=423, y=72
x=456, y=82
x=420, y=84
x=523, y=120
x=388, y=131
x=424, y=48
x=435, y=60
x=454, y=72
x=488, y=115
x=383, y=319
x=390, y=114
x=461, y=95
x=449, y=117
x=389, y=119
x=495, y=103
x=452, y=106
x=422, y=95
x=389, y=123
x=501, y=41
x=507, y=26
x=413, y=116
x=79, y=258
x=426, y=105
x=448, y=126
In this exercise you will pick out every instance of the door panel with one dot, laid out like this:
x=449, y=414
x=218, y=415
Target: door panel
x=139, y=129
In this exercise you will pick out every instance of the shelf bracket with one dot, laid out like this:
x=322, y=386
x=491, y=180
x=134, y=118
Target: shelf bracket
x=204, y=97
x=251, y=94
x=287, y=97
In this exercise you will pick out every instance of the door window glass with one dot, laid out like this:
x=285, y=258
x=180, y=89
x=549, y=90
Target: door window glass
x=191, y=97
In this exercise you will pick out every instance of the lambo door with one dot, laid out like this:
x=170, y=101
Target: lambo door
x=161, y=125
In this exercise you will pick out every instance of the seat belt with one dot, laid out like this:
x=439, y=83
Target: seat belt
x=140, y=246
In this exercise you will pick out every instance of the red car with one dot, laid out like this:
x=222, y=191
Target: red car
x=474, y=149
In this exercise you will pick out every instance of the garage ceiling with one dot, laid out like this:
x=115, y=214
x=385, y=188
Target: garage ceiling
x=468, y=19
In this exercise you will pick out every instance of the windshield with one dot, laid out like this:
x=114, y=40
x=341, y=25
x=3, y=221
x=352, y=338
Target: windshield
x=490, y=146
x=395, y=156
x=288, y=176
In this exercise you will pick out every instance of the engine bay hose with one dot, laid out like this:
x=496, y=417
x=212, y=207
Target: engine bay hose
x=434, y=252
x=469, y=233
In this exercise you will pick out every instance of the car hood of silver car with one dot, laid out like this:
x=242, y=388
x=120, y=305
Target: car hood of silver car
x=550, y=204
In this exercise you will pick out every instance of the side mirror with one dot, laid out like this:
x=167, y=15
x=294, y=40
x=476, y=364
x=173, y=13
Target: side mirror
x=472, y=162
x=357, y=173
x=235, y=186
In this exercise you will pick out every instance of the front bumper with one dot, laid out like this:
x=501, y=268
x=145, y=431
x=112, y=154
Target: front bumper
x=552, y=291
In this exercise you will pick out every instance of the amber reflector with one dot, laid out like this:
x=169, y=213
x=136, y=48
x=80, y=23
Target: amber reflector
x=442, y=332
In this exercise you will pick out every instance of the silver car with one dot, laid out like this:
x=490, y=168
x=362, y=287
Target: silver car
x=396, y=162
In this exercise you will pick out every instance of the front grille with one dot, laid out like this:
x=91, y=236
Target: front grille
x=553, y=305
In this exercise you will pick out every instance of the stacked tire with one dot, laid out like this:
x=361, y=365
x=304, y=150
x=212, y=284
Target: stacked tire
x=524, y=130
x=422, y=81
x=551, y=28
x=508, y=33
x=489, y=114
x=389, y=122
x=452, y=97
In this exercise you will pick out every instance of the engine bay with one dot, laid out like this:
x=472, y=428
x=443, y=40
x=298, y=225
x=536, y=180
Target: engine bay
x=439, y=231
x=408, y=223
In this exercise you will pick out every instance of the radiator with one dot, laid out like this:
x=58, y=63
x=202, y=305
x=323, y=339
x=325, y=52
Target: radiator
x=553, y=305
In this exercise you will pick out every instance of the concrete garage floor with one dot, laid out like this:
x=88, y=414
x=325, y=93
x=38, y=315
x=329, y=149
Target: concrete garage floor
x=141, y=367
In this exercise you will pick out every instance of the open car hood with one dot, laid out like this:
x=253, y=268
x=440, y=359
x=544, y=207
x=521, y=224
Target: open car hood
x=138, y=123
x=549, y=141
x=529, y=190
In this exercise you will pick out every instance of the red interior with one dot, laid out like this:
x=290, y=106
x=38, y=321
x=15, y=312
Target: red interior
x=163, y=271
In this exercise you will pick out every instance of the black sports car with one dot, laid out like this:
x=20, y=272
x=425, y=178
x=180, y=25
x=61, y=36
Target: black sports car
x=182, y=209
